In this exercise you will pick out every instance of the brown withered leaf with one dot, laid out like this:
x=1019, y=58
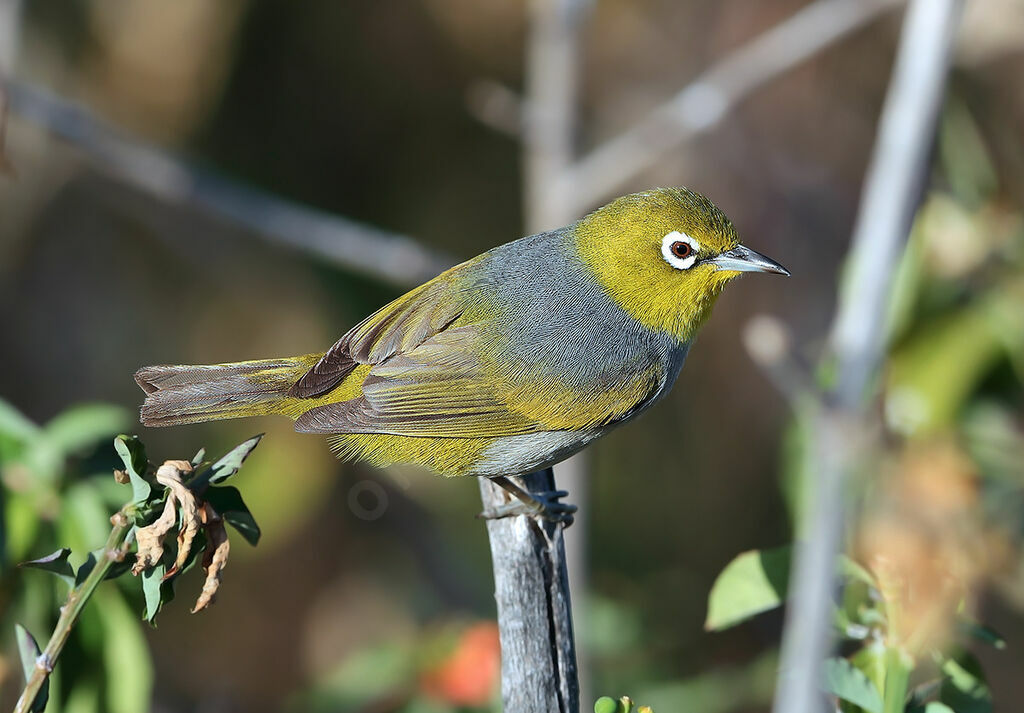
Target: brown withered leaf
x=215, y=558
x=150, y=539
x=170, y=475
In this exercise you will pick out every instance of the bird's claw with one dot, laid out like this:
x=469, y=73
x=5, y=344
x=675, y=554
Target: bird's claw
x=544, y=505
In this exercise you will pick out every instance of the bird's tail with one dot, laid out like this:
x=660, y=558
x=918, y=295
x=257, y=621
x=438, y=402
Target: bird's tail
x=193, y=394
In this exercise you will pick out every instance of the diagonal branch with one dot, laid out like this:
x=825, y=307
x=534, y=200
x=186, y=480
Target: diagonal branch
x=392, y=258
x=703, y=103
x=891, y=193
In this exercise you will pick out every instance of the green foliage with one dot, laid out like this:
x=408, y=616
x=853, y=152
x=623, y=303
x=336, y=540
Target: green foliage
x=847, y=682
x=56, y=563
x=133, y=455
x=752, y=583
x=226, y=466
x=29, y=652
x=227, y=501
x=945, y=481
x=41, y=486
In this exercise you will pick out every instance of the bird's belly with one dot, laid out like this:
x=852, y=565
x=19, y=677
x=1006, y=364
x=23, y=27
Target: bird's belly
x=526, y=453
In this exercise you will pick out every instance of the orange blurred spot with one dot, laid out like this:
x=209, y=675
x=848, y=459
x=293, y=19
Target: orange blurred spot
x=469, y=676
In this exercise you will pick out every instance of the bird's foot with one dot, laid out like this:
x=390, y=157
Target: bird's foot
x=544, y=505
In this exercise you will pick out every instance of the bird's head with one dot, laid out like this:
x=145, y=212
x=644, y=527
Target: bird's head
x=664, y=256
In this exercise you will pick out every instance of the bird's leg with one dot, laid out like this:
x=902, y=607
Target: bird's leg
x=543, y=505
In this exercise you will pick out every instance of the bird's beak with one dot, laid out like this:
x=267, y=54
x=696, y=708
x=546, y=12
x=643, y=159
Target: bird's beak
x=743, y=259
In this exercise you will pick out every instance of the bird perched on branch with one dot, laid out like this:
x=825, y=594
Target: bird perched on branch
x=505, y=364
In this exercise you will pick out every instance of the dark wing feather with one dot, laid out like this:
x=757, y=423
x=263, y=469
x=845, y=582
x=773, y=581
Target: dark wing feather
x=399, y=326
x=437, y=389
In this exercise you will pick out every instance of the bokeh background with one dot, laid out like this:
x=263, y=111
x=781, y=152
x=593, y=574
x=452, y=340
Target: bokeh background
x=371, y=591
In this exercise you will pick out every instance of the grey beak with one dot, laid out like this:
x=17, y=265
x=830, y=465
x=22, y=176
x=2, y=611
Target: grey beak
x=743, y=259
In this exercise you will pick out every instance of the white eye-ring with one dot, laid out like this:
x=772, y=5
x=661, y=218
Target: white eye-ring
x=679, y=250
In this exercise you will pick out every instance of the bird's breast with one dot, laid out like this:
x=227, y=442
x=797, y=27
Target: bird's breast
x=556, y=339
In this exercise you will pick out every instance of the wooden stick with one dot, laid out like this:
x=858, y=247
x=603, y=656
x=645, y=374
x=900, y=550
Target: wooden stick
x=531, y=588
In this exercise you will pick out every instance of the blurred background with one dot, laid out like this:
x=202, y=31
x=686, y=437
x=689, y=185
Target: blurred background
x=372, y=591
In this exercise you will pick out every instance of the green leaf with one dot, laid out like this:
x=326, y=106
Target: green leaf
x=30, y=653
x=115, y=571
x=56, y=563
x=81, y=426
x=133, y=454
x=936, y=707
x=228, y=503
x=152, y=579
x=871, y=660
x=935, y=370
x=14, y=424
x=963, y=685
x=752, y=583
x=228, y=465
x=845, y=681
x=197, y=459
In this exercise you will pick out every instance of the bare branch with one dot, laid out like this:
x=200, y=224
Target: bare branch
x=702, y=104
x=10, y=29
x=552, y=88
x=392, y=258
x=891, y=194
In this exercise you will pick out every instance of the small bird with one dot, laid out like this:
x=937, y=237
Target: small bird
x=505, y=364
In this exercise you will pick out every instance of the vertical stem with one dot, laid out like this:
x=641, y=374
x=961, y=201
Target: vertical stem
x=78, y=597
x=898, y=666
x=891, y=193
x=531, y=587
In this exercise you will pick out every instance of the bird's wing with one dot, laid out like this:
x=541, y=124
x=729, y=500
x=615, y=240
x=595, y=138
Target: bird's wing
x=399, y=326
x=428, y=379
x=438, y=389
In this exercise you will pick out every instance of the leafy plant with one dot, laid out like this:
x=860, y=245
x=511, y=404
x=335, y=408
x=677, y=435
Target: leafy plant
x=184, y=497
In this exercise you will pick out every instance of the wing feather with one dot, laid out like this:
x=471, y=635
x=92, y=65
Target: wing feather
x=428, y=377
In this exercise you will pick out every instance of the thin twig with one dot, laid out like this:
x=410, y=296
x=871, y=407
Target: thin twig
x=390, y=257
x=891, y=194
x=77, y=598
x=703, y=103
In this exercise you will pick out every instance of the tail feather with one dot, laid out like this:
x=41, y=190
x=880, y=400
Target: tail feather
x=192, y=394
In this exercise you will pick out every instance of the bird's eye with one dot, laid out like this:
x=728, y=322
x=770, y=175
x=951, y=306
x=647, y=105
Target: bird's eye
x=679, y=250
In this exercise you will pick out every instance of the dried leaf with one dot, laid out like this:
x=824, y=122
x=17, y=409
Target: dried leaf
x=170, y=475
x=150, y=539
x=215, y=558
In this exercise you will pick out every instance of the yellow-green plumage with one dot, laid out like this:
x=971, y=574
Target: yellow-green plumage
x=506, y=363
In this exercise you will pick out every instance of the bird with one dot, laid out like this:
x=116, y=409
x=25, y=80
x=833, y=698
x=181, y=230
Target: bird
x=505, y=364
